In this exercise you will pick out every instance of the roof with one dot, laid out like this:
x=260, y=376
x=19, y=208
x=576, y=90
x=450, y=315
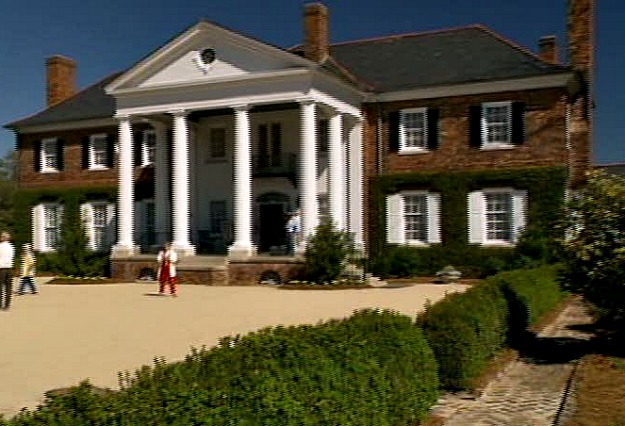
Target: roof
x=613, y=169
x=453, y=56
x=90, y=103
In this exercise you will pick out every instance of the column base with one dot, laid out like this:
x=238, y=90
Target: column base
x=241, y=251
x=184, y=250
x=121, y=251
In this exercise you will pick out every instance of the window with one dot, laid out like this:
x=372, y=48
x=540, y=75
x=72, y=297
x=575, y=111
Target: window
x=270, y=145
x=497, y=216
x=49, y=155
x=46, y=228
x=98, y=152
x=98, y=219
x=218, y=216
x=413, y=131
x=413, y=217
x=496, y=124
x=148, y=148
x=217, y=143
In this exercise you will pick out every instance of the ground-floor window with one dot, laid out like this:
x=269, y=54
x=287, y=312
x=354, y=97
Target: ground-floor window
x=47, y=219
x=98, y=217
x=413, y=217
x=497, y=216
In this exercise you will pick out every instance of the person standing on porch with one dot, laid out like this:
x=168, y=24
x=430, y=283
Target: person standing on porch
x=7, y=253
x=293, y=229
x=167, y=277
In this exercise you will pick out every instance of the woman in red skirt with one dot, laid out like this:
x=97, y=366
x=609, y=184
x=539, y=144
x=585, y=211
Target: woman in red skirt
x=167, y=259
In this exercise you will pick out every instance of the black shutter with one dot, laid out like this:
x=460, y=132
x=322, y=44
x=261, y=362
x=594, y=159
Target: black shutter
x=85, y=152
x=475, y=126
x=137, y=140
x=433, y=115
x=393, y=131
x=60, y=151
x=518, y=123
x=110, y=151
x=37, y=155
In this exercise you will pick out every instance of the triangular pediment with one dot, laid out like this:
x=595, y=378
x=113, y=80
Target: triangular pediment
x=208, y=53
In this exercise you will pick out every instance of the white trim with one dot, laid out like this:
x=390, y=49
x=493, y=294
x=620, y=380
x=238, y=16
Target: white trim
x=403, y=149
x=484, y=126
x=507, y=85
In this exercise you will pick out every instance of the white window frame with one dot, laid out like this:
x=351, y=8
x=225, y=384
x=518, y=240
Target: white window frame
x=209, y=154
x=46, y=144
x=403, y=148
x=478, y=233
x=484, y=126
x=100, y=137
x=40, y=240
x=88, y=217
x=396, y=223
x=145, y=147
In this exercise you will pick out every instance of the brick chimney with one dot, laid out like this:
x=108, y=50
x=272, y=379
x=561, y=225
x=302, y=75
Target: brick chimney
x=548, y=49
x=581, y=34
x=61, y=79
x=316, y=31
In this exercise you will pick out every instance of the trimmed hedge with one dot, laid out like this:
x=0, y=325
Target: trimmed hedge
x=374, y=368
x=466, y=330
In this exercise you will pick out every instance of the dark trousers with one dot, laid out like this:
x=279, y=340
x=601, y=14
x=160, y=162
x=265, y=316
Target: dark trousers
x=6, y=287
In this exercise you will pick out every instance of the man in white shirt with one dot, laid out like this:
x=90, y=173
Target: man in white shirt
x=293, y=229
x=7, y=254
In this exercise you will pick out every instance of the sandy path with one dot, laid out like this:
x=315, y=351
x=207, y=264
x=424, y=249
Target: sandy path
x=69, y=333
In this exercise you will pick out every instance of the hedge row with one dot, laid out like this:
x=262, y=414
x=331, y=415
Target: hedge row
x=465, y=330
x=374, y=368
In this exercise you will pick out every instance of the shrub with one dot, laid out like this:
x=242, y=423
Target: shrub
x=465, y=330
x=374, y=368
x=327, y=253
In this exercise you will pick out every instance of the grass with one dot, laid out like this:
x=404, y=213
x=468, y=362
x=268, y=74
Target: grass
x=599, y=391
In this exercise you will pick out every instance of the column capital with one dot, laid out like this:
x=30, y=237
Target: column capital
x=179, y=113
x=305, y=101
x=241, y=107
x=122, y=117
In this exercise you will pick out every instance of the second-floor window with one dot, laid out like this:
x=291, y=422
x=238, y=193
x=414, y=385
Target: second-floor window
x=98, y=152
x=217, y=143
x=49, y=155
x=413, y=131
x=270, y=145
x=148, y=148
x=497, y=125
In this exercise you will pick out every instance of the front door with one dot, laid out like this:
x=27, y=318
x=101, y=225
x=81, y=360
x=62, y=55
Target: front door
x=272, y=226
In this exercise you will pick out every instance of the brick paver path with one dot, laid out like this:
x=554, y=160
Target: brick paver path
x=530, y=391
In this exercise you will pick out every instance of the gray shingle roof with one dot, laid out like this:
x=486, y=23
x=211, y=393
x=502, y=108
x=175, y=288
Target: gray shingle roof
x=90, y=103
x=459, y=55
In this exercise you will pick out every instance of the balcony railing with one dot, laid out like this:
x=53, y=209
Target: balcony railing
x=274, y=165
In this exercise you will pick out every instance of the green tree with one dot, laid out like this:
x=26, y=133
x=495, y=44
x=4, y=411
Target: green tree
x=8, y=186
x=327, y=253
x=594, y=246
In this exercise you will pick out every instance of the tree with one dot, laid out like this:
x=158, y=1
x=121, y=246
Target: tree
x=327, y=253
x=8, y=186
x=594, y=246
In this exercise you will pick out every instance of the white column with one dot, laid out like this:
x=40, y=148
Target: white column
x=125, y=192
x=161, y=184
x=180, y=204
x=308, y=169
x=242, y=246
x=335, y=169
x=356, y=183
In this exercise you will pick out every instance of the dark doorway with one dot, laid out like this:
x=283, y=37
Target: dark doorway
x=272, y=226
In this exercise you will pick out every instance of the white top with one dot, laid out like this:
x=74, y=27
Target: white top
x=7, y=253
x=168, y=255
x=294, y=224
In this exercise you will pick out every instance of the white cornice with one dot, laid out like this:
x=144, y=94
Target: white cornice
x=67, y=125
x=226, y=80
x=529, y=83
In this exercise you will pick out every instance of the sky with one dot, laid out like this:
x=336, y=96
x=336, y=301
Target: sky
x=112, y=35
